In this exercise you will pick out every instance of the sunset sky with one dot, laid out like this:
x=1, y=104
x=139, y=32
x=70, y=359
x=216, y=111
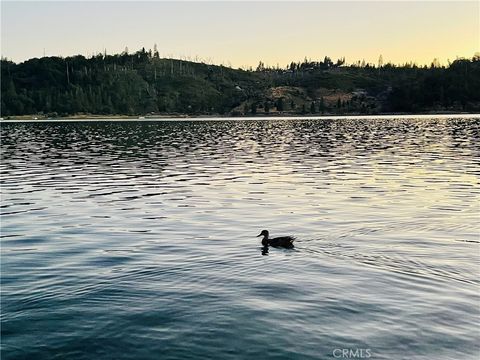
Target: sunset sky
x=243, y=33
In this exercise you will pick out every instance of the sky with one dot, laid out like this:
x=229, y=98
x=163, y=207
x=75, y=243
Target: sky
x=242, y=33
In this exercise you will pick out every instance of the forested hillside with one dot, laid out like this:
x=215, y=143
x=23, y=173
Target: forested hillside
x=144, y=84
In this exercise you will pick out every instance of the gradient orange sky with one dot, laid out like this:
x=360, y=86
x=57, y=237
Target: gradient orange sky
x=243, y=33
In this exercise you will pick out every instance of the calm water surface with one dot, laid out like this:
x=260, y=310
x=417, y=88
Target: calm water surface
x=125, y=240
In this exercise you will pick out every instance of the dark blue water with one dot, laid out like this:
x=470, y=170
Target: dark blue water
x=136, y=240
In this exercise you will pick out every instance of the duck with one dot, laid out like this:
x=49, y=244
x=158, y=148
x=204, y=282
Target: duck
x=282, y=241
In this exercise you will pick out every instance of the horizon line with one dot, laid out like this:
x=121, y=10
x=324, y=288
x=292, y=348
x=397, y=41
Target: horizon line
x=227, y=63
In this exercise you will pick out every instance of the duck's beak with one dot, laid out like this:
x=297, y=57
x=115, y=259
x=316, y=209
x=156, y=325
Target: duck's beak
x=259, y=234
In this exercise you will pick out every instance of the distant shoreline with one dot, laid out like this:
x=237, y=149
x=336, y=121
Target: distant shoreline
x=85, y=117
x=193, y=116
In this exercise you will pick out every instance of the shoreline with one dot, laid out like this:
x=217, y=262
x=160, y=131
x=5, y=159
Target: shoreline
x=184, y=117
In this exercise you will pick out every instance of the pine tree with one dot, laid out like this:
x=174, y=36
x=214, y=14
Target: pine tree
x=279, y=104
x=322, y=105
x=266, y=107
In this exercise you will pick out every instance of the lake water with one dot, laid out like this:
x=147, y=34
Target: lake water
x=137, y=240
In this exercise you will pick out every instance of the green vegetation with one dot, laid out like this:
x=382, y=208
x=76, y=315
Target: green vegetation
x=142, y=83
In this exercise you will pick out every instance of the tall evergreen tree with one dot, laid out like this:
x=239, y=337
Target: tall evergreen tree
x=266, y=107
x=279, y=104
x=322, y=105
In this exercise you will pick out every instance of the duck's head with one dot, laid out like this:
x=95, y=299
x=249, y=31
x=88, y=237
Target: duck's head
x=264, y=233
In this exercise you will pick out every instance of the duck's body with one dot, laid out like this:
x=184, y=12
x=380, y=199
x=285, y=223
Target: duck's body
x=282, y=241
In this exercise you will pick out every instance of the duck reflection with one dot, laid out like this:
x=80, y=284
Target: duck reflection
x=265, y=250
